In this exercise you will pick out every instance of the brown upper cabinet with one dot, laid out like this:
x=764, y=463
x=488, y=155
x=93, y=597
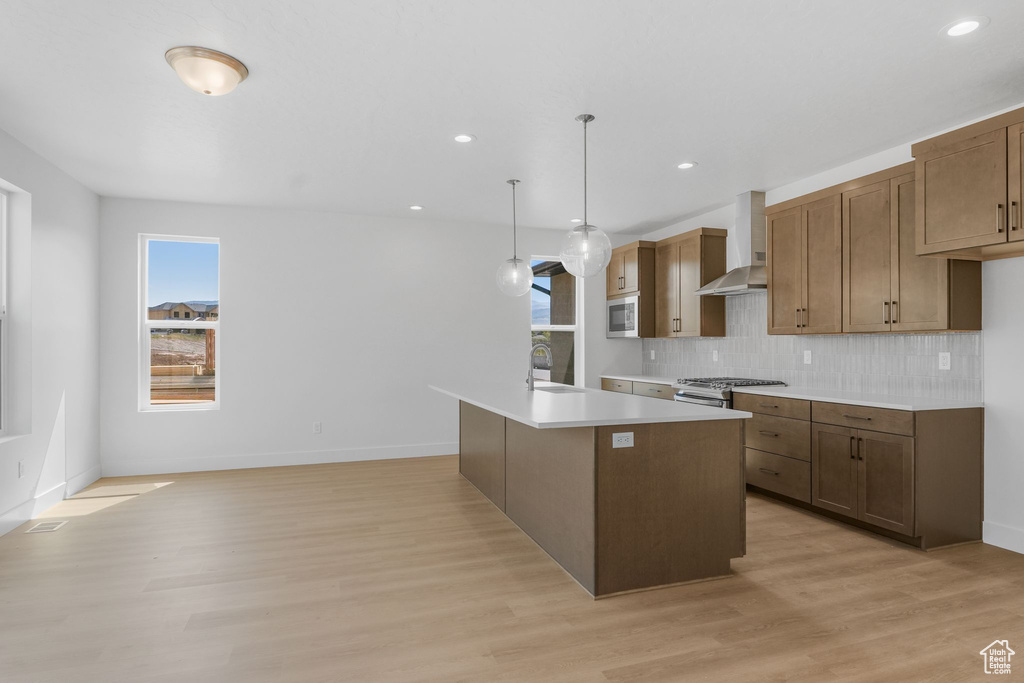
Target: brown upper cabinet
x=969, y=191
x=683, y=264
x=628, y=263
x=886, y=286
x=844, y=259
x=805, y=267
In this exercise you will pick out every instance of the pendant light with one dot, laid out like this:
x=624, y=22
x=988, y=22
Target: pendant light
x=586, y=250
x=515, y=276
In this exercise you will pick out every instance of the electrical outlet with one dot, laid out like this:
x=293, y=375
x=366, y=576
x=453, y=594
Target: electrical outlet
x=714, y=355
x=317, y=428
x=807, y=357
x=652, y=354
x=622, y=440
x=21, y=469
x=945, y=361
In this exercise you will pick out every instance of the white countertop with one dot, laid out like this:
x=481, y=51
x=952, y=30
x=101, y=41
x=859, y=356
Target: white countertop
x=860, y=399
x=580, y=408
x=672, y=381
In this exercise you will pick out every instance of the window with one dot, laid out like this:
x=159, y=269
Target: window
x=3, y=313
x=553, y=324
x=178, y=365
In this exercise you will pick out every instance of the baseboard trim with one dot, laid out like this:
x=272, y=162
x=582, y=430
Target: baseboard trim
x=80, y=481
x=1008, y=537
x=124, y=467
x=31, y=508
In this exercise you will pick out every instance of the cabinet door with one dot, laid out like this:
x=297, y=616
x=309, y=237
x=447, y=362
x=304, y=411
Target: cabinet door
x=920, y=284
x=886, y=480
x=867, y=259
x=834, y=468
x=630, y=264
x=961, y=194
x=613, y=274
x=822, y=266
x=1015, y=158
x=689, y=282
x=666, y=290
x=784, y=265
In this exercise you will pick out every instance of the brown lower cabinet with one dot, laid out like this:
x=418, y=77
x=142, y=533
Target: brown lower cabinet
x=914, y=476
x=863, y=474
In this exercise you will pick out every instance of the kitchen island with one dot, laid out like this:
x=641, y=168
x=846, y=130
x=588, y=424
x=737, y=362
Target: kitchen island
x=625, y=492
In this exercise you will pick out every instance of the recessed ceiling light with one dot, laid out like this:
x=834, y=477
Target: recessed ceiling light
x=206, y=71
x=465, y=137
x=576, y=220
x=416, y=207
x=687, y=164
x=961, y=27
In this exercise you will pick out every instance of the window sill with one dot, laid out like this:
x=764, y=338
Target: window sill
x=12, y=437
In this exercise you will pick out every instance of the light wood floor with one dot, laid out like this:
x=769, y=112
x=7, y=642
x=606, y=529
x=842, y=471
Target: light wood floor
x=401, y=571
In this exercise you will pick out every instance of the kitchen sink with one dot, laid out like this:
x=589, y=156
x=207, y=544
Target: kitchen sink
x=562, y=389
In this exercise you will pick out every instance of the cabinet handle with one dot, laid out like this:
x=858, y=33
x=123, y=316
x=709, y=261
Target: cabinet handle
x=856, y=417
x=860, y=449
x=1013, y=215
x=768, y=471
x=885, y=312
x=803, y=317
x=771, y=434
x=895, y=311
x=796, y=318
x=999, y=217
x=853, y=442
x=768, y=405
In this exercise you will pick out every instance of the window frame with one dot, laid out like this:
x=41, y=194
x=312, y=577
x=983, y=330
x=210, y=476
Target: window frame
x=4, y=335
x=146, y=326
x=576, y=329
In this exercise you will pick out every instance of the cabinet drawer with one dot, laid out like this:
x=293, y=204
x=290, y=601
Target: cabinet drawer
x=617, y=385
x=862, y=417
x=655, y=390
x=772, y=405
x=779, y=474
x=779, y=435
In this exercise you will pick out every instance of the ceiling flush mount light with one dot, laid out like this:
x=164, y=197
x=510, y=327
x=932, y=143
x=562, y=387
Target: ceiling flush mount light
x=416, y=207
x=586, y=250
x=961, y=27
x=515, y=277
x=206, y=71
x=687, y=164
x=465, y=137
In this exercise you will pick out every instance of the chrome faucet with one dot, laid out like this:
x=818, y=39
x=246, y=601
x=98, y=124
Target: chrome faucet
x=529, y=377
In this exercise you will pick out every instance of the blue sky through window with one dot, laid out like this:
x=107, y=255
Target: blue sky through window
x=182, y=271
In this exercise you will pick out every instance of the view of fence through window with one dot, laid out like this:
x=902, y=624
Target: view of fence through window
x=553, y=322
x=183, y=312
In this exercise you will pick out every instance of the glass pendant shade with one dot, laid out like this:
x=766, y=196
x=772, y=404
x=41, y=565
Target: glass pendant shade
x=586, y=251
x=515, y=277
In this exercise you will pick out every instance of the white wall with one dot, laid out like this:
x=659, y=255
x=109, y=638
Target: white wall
x=1002, y=338
x=324, y=317
x=54, y=318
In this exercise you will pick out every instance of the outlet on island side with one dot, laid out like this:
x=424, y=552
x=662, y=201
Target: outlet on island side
x=622, y=440
x=807, y=357
x=21, y=469
x=945, y=362
x=652, y=354
x=317, y=429
x=714, y=355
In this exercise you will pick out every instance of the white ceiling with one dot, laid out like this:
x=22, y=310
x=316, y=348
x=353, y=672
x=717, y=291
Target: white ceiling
x=351, y=105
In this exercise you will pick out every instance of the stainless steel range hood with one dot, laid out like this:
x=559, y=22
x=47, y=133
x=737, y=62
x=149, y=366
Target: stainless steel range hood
x=750, y=236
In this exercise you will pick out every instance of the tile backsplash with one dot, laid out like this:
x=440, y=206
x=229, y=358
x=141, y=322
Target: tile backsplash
x=894, y=364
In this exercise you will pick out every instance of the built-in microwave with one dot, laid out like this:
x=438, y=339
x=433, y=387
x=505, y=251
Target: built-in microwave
x=623, y=317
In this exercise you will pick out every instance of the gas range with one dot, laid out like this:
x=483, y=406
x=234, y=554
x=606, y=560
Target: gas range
x=717, y=391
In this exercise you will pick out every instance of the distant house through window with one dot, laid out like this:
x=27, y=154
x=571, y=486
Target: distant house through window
x=554, y=321
x=181, y=283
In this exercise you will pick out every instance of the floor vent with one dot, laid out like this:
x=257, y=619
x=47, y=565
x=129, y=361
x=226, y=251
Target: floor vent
x=44, y=527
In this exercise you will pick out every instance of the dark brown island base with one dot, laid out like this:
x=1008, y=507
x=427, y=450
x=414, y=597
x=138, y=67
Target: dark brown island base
x=666, y=510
